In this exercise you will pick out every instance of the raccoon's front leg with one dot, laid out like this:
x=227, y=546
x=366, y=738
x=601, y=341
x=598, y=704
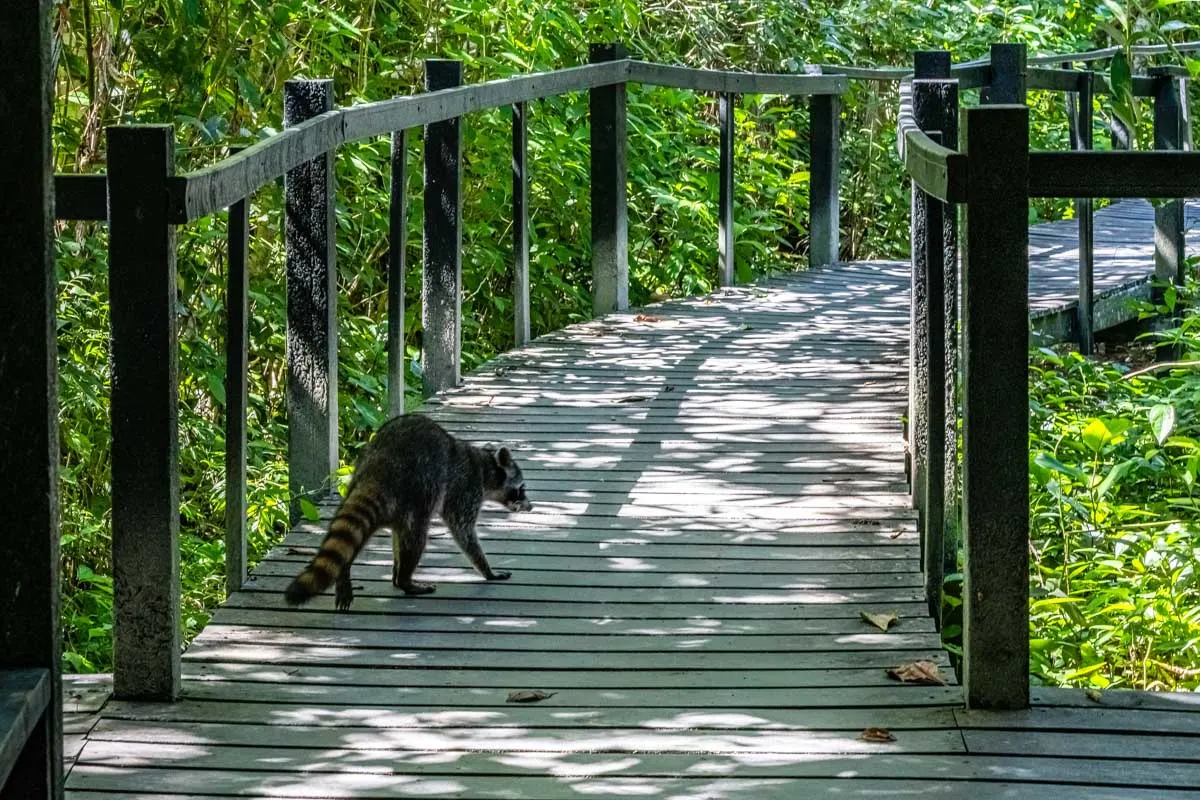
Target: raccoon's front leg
x=408, y=545
x=464, y=535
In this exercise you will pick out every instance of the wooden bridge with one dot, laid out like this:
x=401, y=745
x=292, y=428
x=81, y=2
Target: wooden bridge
x=723, y=490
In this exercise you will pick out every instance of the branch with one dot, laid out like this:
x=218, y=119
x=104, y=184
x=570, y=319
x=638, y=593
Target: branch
x=1157, y=367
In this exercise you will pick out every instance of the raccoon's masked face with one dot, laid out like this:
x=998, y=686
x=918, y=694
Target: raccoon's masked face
x=512, y=495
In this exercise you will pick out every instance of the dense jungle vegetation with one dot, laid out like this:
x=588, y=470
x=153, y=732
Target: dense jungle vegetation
x=1115, y=461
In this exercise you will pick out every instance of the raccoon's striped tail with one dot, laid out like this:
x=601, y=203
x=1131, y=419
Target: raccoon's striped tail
x=359, y=516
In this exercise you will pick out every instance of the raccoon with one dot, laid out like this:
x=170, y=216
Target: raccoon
x=411, y=470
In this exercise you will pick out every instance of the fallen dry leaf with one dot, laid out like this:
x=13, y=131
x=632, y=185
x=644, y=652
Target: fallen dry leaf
x=1092, y=694
x=528, y=696
x=633, y=398
x=878, y=735
x=647, y=318
x=302, y=551
x=924, y=673
x=881, y=621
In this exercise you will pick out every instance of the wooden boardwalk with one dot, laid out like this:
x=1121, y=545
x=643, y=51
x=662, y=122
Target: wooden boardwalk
x=720, y=494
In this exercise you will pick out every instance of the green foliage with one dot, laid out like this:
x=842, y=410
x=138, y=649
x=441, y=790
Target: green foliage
x=216, y=70
x=1115, y=520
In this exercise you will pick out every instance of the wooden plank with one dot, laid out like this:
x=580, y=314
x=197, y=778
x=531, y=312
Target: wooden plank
x=1085, y=744
x=25, y=696
x=81, y=197
x=1075, y=720
x=1114, y=173
x=730, y=82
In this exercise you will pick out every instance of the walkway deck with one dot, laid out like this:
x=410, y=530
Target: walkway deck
x=719, y=489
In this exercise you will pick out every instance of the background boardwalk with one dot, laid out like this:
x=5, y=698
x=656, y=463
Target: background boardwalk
x=720, y=494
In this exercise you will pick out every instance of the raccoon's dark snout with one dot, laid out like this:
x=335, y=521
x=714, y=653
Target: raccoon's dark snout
x=516, y=500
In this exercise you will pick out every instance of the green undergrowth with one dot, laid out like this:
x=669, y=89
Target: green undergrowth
x=1115, y=516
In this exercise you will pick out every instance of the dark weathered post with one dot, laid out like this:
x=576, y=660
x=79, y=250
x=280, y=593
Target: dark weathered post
x=610, y=237
x=29, y=603
x=520, y=137
x=1079, y=113
x=996, y=409
x=935, y=105
x=311, y=306
x=237, y=299
x=926, y=65
x=824, y=207
x=397, y=244
x=1169, y=98
x=145, y=402
x=441, y=285
x=1007, y=82
x=725, y=120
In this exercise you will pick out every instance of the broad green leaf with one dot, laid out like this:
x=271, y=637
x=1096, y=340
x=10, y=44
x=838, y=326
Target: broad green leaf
x=1162, y=421
x=1047, y=461
x=309, y=510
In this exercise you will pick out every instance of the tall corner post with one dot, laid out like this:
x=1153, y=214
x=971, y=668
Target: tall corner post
x=824, y=205
x=727, y=269
x=1079, y=115
x=441, y=281
x=144, y=407
x=996, y=409
x=311, y=305
x=29, y=554
x=1169, y=256
x=1007, y=81
x=397, y=246
x=237, y=302
x=610, y=236
x=927, y=65
x=520, y=179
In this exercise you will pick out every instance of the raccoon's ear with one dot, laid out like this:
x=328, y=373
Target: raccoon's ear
x=504, y=458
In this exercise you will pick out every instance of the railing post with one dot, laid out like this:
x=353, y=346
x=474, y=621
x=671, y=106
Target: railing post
x=145, y=402
x=926, y=64
x=610, y=237
x=824, y=208
x=1169, y=99
x=996, y=409
x=312, y=305
x=1079, y=113
x=935, y=107
x=237, y=290
x=725, y=121
x=397, y=246
x=29, y=557
x=1007, y=82
x=441, y=284
x=520, y=177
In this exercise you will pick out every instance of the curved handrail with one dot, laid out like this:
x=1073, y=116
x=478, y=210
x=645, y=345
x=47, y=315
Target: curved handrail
x=936, y=169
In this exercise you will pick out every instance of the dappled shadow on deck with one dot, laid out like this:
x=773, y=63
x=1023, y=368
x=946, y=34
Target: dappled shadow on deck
x=720, y=495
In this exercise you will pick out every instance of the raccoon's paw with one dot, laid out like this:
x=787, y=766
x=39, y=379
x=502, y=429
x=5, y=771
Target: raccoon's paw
x=343, y=597
x=499, y=575
x=415, y=588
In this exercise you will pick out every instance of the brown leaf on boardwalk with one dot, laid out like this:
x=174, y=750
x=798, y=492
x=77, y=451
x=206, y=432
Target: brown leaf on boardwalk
x=528, y=696
x=302, y=551
x=924, y=673
x=877, y=735
x=881, y=621
x=1092, y=694
x=633, y=398
x=647, y=318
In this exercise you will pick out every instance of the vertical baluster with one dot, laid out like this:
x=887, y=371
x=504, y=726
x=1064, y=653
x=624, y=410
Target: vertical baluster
x=441, y=285
x=237, y=290
x=312, y=305
x=725, y=243
x=520, y=177
x=29, y=549
x=1168, y=217
x=145, y=408
x=824, y=207
x=996, y=409
x=1079, y=112
x=397, y=245
x=610, y=238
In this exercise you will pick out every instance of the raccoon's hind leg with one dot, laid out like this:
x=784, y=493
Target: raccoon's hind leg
x=343, y=590
x=463, y=531
x=408, y=545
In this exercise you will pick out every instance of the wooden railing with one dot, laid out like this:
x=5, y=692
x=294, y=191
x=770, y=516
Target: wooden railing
x=146, y=201
x=992, y=179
